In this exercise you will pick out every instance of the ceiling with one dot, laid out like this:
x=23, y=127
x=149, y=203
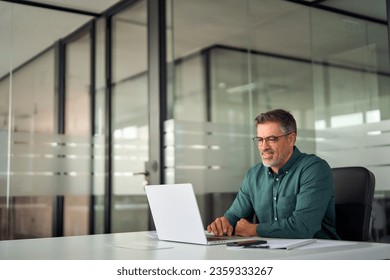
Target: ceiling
x=22, y=24
x=371, y=8
x=92, y=6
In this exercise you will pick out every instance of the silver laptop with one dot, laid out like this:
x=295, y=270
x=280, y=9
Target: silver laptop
x=177, y=218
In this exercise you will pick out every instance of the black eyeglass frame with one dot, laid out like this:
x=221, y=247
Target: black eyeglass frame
x=270, y=140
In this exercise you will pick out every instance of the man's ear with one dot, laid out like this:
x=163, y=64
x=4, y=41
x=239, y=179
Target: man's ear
x=292, y=138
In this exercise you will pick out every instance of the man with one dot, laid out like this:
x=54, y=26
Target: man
x=291, y=193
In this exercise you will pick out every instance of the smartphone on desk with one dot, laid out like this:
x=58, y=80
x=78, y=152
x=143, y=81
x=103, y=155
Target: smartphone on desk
x=246, y=243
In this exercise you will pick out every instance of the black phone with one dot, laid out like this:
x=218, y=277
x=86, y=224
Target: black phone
x=246, y=243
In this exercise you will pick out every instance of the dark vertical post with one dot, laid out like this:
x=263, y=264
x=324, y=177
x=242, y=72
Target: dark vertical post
x=388, y=22
x=157, y=91
x=92, y=118
x=207, y=81
x=157, y=88
x=108, y=131
x=58, y=201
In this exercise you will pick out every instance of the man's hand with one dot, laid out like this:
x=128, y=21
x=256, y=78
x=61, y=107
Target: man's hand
x=220, y=226
x=245, y=228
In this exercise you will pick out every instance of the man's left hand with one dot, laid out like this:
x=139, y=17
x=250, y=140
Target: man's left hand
x=245, y=228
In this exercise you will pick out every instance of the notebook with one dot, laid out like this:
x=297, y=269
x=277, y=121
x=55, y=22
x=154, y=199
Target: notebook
x=177, y=218
x=280, y=243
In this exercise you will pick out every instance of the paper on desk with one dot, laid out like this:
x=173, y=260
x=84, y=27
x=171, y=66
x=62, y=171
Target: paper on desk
x=278, y=243
x=152, y=234
x=322, y=243
x=289, y=244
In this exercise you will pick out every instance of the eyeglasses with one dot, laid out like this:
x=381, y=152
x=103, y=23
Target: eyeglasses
x=270, y=140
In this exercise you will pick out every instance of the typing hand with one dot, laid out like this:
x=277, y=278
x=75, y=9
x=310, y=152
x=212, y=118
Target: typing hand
x=245, y=228
x=220, y=226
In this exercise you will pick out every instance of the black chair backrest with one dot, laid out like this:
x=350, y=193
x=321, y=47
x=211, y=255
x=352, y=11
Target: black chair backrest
x=354, y=194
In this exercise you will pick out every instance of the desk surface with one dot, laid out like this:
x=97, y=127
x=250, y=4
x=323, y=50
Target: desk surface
x=141, y=246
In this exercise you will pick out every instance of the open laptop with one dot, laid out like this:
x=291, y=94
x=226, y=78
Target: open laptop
x=177, y=218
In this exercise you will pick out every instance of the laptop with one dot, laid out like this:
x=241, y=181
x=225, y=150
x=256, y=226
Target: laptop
x=177, y=218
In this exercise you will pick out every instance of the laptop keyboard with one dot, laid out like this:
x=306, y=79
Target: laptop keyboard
x=216, y=238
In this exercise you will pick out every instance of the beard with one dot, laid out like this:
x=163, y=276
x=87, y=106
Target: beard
x=271, y=162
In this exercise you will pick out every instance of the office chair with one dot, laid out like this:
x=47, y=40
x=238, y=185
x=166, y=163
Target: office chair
x=354, y=193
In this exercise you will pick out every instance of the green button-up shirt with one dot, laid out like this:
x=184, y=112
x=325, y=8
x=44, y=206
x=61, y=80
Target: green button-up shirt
x=298, y=202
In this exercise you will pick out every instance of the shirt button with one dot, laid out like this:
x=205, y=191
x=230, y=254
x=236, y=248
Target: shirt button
x=274, y=197
x=277, y=179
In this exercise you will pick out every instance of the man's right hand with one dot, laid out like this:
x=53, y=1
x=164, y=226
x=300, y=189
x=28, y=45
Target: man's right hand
x=220, y=226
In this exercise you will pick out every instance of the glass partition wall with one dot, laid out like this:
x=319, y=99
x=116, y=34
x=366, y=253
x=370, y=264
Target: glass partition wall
x=129, y=120
x=351, y=92
x=45, y=160
x=231, y=61
x=59, y=117
x=74, y=120
x=230, y=64
x=77, y=129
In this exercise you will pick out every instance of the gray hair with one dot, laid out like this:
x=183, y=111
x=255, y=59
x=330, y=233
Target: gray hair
x=284, y=118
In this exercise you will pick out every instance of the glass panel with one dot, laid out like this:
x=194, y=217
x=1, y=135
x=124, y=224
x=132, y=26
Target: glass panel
x=231, y=61
x=130, y=118
x=99, y=174
x=274, y=82
x=187, y=93
x=5, y=92
x=351, y=78
x=196, y=153
x=226, y=69
x=32, y=159
x=32, y=119
x=78, y=123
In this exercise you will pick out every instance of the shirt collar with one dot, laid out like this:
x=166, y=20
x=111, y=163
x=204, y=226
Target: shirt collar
x=286, y=167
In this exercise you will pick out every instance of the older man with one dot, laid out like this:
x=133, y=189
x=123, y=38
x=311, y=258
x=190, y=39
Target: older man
x=291, y=193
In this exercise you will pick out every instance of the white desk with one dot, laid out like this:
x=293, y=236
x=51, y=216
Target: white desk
x=140, y=246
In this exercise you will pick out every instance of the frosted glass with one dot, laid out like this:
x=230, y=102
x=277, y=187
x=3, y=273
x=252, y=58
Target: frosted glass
x=363, y=145
x=45, y=164
x=213, y=157
x=216, y=157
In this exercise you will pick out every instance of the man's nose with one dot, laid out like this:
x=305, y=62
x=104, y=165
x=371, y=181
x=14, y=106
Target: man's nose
x=263, y=145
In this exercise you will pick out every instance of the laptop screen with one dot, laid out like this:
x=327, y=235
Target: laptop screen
x=175, y=213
